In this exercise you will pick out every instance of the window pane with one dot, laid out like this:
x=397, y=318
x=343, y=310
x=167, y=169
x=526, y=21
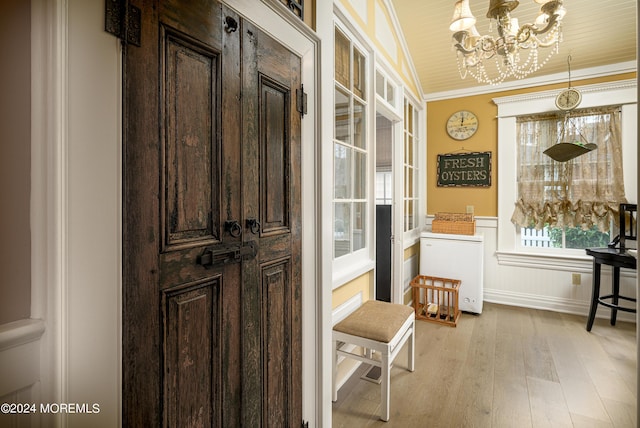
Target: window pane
x=341, y=116
x=342, y=229
x=410, y=169
x=358, y=74
x=531, y=237
x=359, y=229
x=409, y=118
x=360, y=175
x=359, y=125
x=379, y=84
x=409, y=214
x=383, y=188
x=390, y=94
x=409, y=150
x=408, y=185
x=575, y=237
x=342, y=58
x=342, y=171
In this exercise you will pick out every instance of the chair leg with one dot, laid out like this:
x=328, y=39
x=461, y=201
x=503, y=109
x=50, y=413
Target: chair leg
x=412, y=347
x=595, y=295
x=616, y=293
x=384, y=385
x=334, y=391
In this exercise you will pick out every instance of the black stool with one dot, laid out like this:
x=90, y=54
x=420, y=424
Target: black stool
x=614, y=255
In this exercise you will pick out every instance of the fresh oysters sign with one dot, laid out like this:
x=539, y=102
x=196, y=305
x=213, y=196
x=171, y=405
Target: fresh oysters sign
x=464, y=169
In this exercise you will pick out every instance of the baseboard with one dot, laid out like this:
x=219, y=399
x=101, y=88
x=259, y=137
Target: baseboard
x=554, y=304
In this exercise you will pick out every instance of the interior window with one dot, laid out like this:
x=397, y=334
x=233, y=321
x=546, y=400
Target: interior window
x=350, y=143
x=410, y=167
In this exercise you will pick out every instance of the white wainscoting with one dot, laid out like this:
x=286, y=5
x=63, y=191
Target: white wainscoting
x=411, y=269
x=546, y=284
x=346, y=366
x=20, y=367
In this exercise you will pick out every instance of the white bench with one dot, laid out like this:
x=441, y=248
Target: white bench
x=376, y=326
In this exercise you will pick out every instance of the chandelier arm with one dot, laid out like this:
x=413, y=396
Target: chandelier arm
x=485, y=44
x=460, y=47
x=553, y=20
x=488, y=45
x=527, y=32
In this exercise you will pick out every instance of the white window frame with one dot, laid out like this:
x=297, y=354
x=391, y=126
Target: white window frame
x=393, y=106
x=356, y=263
x=411, y=236
x=509, y=251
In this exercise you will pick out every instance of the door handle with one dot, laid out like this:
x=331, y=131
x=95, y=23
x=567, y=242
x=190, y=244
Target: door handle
x=233, y=227
x=230, y=24
x=253, y=225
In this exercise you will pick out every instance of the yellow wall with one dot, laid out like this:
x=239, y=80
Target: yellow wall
x=310, y=13
x=363, y=283
x=399, y=60
x=411, y=251
x=484, y=200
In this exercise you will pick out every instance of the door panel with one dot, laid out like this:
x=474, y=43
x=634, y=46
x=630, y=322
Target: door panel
x=192, y=320
x=191, y=144
x=274, y=159
x=276, y=322
x=211, y=314
x=272, y=129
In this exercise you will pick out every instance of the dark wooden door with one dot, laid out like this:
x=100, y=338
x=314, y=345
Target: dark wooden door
x=271, y=191
x=211, y=222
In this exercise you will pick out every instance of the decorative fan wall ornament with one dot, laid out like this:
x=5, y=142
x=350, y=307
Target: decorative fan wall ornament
x=571, y=142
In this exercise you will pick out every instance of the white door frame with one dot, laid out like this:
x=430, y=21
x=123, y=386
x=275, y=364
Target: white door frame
x=397, y=210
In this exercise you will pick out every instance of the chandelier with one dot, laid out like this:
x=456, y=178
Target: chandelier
x=515, y=49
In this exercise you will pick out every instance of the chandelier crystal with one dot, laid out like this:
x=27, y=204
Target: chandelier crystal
x=514, y=52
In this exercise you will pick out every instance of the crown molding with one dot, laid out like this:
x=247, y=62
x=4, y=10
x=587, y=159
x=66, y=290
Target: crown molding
x=550, y=79
x=599, y=94
x=585, y=89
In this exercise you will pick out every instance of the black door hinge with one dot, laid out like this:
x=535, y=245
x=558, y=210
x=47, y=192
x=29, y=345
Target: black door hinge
x=123, y=20
x=305, y=424
x=297, y=7
x=301, y=96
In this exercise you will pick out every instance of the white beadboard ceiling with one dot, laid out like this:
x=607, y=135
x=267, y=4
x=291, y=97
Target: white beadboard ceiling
x=595, y=33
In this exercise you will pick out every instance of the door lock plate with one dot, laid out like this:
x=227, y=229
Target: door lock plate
x=221, y=255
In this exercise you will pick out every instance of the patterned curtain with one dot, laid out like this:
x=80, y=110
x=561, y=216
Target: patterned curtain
x=582, y=192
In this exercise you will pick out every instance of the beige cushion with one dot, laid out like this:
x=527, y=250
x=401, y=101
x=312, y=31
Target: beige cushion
x=375, y=320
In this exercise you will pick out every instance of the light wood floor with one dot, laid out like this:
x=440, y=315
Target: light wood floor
x=509, y=367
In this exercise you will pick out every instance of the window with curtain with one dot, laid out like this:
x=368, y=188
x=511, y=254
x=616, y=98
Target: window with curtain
x=569, y=204
x=350, y=148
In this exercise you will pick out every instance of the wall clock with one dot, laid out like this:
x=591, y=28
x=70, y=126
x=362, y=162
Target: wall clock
x=462, y=125
x=568, y=99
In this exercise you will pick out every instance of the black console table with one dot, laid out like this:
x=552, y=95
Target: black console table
x=617, y=259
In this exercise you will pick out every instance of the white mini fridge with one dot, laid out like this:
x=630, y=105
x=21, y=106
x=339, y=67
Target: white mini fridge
x=456, y=257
